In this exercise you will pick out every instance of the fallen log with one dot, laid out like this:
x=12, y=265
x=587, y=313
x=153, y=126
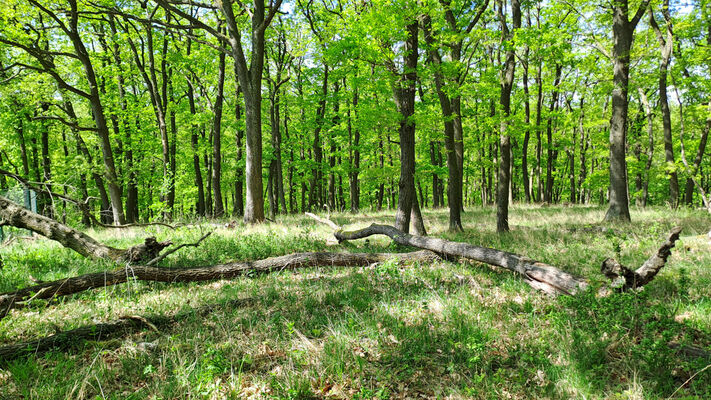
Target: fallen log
x=81, y=283
x=14, y=215
x=538, y=275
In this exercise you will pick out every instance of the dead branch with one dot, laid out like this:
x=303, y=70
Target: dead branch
x=612, y=269
x=174, y=249
x=81, y=283
x=538, y=275
x=325, y=221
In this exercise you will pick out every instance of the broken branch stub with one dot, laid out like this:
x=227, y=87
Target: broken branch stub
x=612, y=269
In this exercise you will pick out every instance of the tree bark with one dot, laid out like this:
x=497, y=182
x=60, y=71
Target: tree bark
x=14, y=215
x=239, y=194
x=404, y=93
x=550, y=167
x=623, y=36
x=97, y=111
x=504, y=174
x=666, y=45
x=200, y=200
x=454, y=190
x=315, y=195
x=131, y=204
x=218, y=210
x=536, y=274
x=85, y=282
x=354, y=153
x=527, y=134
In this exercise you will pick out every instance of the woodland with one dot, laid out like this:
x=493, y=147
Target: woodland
x=355, y=199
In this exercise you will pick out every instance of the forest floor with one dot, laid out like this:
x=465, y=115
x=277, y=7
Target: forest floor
x=435, y=330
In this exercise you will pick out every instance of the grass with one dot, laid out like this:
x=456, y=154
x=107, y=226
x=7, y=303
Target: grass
x=438, y=330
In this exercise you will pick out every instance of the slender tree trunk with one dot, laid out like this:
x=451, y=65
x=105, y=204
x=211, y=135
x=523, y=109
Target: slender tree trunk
x=239, y=195
x=131, y=205
x=332, y=150
x=200, y=201
x=97, y=111
x=435, y=178
x=354, y=153
x=548, y=193
x=504, y=174
x=381, y=188
x=539, y=143
x=454, y=194
x=527, y=133
x=696, y=167
x=219, y=209
x=3, y=181
x=666, y=45
x=315, y=198
x=47, y=207
x=583, y=146
x=105, y=215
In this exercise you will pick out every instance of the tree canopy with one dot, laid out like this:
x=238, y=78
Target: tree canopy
x=175, y=109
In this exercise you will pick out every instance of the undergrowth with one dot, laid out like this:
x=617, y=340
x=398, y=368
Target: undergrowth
x=435, y=330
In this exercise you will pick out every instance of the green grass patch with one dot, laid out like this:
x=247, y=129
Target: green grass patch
x=436, y=330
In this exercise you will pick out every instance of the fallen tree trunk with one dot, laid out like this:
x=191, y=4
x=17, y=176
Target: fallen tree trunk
x=14, y=215
x=17, y=216
x=81, y=283
x=538, y=275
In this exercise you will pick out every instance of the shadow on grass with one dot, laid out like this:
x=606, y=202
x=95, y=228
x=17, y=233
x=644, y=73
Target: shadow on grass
x=390, y=331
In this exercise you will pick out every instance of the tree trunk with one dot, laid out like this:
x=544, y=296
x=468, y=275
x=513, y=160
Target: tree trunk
x=539, y=143
x=218, y=210
x=454, y=189
x=3, y=181
x=538, y=275
x=250, y=78
x=650, y=146
x=200, y=201
x=623, y=36
x=689, y=195
x=665, y=44
x=239, y=195
x=354, y=184
x=13, y=214
x=97, y=111
x=507, y=77
x=548, y=192
x=68, y=286
x=404, y=93
x=315, y=197
x=527, y=134
x=332, y=149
